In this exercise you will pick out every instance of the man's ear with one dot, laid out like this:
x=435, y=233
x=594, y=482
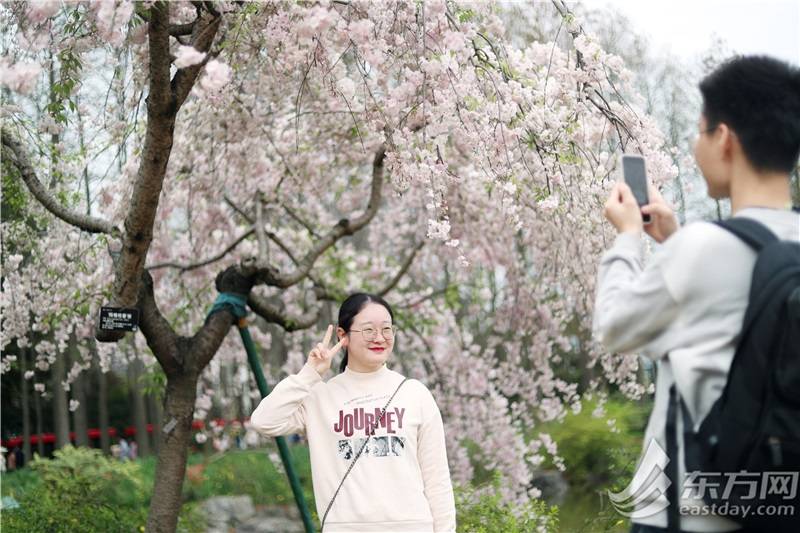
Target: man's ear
x=728, y=141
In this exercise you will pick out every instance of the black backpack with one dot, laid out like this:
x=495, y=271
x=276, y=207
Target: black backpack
x=752, y=432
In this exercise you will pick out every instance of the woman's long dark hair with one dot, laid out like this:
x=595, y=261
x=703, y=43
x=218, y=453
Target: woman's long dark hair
x=353, y=305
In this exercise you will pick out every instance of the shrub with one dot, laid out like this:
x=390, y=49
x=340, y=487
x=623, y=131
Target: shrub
x=594, y=456
x=80, y=491
x=76, y=492
x=483, y=511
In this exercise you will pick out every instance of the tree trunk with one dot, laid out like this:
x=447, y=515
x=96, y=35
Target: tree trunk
x=79, y=393
x=102, y=401
x=79, y=417
x=139, y=409
x=275, y=357
x=26, y=408
x=165, y=505
x=37, y=408
x=60, y=410
x=154, y=407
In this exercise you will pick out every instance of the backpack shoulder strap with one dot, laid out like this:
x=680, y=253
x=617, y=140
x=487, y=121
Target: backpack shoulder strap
x=755, y=234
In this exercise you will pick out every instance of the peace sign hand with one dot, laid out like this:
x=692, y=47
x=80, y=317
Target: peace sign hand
x=322, y=354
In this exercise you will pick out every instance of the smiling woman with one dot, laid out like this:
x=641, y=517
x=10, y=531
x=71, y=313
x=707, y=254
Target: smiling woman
x=370, y=317
x=366, y=412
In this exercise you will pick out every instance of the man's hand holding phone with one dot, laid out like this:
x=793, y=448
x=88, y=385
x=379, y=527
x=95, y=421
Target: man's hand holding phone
x=663, y=220
x=635, y=204
x=622, y=210
x=624, y=213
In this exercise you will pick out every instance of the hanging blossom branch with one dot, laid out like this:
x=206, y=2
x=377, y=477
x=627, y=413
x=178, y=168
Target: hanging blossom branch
x=604, y=107
x=14, y=153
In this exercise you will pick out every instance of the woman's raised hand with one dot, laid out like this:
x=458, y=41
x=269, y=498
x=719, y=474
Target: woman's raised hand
x=322, y=354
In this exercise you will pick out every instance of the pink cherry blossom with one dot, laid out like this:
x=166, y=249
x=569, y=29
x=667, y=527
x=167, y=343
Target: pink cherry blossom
x=217, y=76
x=497, y=164
x=19, y=77
x=187, y=56
x=41, y=10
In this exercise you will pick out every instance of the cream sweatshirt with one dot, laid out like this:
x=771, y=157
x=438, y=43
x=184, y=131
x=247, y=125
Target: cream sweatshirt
x=401, y=482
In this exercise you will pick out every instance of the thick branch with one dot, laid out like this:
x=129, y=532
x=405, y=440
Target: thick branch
x=14, y=153
x=159, y=98
x=342, y=228
x=206, y=342
x=177, y=30
x=204, y=345
x=161, y=338
x=203, y=35
x=272, y=314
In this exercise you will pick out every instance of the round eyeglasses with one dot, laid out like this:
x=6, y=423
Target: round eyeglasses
x=370, y=334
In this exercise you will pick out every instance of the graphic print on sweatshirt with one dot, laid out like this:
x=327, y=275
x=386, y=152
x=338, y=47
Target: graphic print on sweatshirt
x=355, y=422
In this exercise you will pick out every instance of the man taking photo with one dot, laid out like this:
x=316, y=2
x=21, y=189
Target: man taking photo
x=685, y=308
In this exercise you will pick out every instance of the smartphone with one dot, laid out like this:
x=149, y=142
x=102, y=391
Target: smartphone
x=636, y=177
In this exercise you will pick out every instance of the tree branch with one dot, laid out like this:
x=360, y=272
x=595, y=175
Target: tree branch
x=163, y=104
x=206, y=342
x=177, y=30
x=204, y=262
x=161, y=338
x=277, y=240
x=342, y=228
x=14, y=153
x=320, y=291
x=270, y=313
x=159, y=98
x=300, y=220
x=262, y=238
x=203, y=35
x=239, y=210
x=403, y=269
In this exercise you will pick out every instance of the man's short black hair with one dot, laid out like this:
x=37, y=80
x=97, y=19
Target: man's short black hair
x=758, y=97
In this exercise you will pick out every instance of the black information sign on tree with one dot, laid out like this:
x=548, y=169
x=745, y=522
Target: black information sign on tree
x=118, y=318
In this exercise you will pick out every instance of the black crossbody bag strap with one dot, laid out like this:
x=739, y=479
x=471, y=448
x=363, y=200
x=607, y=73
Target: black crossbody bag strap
x=358, y=454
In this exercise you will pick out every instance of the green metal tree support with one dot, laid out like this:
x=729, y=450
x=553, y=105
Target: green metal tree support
x=263, y=388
